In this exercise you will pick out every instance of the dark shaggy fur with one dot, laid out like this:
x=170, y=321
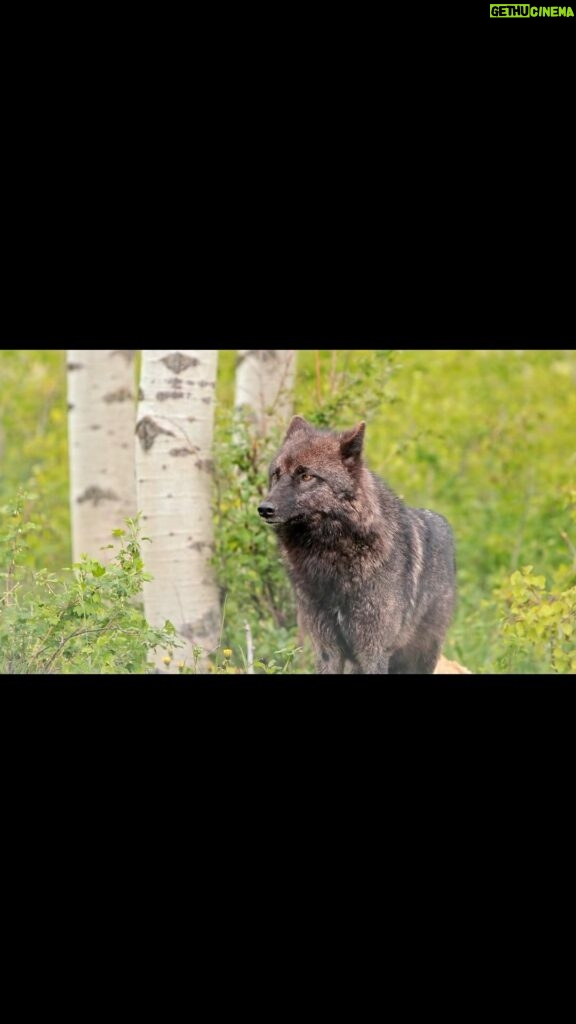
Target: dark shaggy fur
x=374, y=579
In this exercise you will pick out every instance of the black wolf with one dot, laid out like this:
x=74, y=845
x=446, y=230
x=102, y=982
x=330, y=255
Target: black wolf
x=374, y=579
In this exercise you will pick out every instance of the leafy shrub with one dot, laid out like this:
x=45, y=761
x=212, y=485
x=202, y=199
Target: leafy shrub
x=340, y=388
x=83, y=621
x=253, y=582
x=538, y=622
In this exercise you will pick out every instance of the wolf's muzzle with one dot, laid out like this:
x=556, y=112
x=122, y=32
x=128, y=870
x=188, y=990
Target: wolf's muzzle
x=266, y=510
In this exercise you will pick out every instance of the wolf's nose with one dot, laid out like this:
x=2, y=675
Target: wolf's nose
x=266, y=509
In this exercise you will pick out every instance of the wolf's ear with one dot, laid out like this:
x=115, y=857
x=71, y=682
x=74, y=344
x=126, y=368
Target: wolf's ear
x=351, y=442
x=297, y=423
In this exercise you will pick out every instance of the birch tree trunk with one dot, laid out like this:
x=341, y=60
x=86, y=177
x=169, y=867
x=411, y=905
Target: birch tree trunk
x=264, y=385
x=174, y=486
x=101, y=419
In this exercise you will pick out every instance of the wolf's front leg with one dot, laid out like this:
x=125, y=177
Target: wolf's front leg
x=370, y=638
x=326, y=640
x=372, y=663
x=329, y=662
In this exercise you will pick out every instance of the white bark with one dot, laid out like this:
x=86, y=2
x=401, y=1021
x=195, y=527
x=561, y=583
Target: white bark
x=101, y=419
x=174, y=486
x=264, y=384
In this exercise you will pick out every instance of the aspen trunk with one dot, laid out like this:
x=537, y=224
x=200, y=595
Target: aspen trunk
x=174, y=486
x=264, y=385
x=101, y=418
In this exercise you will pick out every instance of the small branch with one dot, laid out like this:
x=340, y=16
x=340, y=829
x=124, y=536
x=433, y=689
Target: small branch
x=78, y=632
x=285, y=368
x=249, y=650
x=318, y=376
x=569, y=543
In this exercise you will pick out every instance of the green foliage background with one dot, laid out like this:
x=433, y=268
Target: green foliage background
x=487, y=438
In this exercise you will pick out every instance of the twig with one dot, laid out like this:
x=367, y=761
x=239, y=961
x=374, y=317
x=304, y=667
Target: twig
x=78, y=632
x=567, y=540
x=285, y=368
x=318, y=386
x=249, y=650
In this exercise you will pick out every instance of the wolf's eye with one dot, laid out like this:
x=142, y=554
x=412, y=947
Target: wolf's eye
x=306, y=476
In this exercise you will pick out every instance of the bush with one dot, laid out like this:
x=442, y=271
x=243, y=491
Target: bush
x=84, y=620
x=253, y=582
x=537, y=621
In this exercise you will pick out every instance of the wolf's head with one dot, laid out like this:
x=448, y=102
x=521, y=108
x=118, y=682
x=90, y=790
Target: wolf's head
x=316, y=474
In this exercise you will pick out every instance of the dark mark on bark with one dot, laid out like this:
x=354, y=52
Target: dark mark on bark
x=178, y=362
x=207, y=464
x=207, y=400
x=126, y=353
x=96, y=495
x=179, y=452
x=147, y=431
x=120, y=395
x=96, y=426
x=140, y=395
x=163, y=395
x=74, y=366
x=206, y=626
